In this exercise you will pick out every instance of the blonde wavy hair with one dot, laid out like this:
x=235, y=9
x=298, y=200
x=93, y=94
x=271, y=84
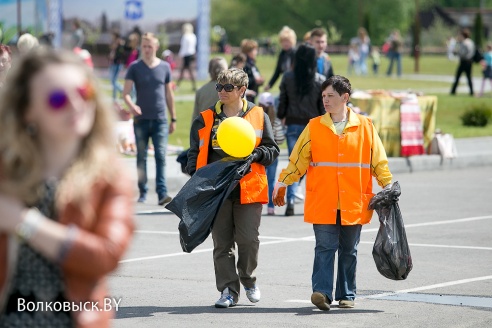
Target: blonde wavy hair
x=21, y=164
x=288, y=34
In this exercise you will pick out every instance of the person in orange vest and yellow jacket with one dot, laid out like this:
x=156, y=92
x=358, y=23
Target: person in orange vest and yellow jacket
x=238, y=219
x=340, y=152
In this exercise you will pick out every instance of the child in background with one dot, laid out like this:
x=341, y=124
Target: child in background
x=266, y=101
x=238, y=61
x=376, y=59
x=167, y=56
x=487, y=68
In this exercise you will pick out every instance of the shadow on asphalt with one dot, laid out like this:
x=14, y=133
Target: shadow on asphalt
x=149, y=311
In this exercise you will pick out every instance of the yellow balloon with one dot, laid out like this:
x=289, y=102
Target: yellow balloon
x=236, y=137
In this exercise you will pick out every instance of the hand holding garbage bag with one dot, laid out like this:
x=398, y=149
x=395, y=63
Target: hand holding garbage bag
x=390, y=251
x=198, y=202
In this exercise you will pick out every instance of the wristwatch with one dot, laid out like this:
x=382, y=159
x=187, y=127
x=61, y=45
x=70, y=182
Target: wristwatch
x=173, y=120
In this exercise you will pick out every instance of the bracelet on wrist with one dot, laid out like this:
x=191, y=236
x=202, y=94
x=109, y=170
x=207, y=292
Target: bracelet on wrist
x=174, y=120
x=29, y=225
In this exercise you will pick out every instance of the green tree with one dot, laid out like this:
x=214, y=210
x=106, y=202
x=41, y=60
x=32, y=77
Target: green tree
x=437, y=34
x=478, y=31
x=259, y=18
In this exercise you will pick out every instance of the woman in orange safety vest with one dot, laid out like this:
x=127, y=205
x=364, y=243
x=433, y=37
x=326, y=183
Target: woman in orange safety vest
x=238, y=219
x=340, y=152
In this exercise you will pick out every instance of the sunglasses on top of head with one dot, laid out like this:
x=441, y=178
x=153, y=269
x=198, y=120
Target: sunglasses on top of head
x=227, y=87
x=58, y=98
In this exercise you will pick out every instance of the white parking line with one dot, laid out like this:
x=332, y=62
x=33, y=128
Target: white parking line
x=440, y=246
x=410, y=290
x=424, y=224
x=205, y=250
x=417, y=289
x=288, y=240
x=162, y=210
x=158, y=232
x=177, y=233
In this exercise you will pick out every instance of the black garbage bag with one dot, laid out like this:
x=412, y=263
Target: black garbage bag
x=198, y=202
x=390, y=251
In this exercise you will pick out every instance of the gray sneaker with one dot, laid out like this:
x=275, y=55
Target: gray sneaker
x=253, y=294
x=346, y=304
x=164, y=199
x=226, y=300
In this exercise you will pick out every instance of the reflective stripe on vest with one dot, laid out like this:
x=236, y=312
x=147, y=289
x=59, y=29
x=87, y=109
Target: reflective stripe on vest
x=254, y=186
x=339, y=175
x=361, y=165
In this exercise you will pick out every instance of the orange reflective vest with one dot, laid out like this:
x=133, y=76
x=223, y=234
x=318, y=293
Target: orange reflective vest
x=339, y=175
x=254, y=185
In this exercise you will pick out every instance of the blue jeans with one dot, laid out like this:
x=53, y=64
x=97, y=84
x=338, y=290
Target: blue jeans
x=293, y=133
x=114, y=70
x=157, y=130
x=362, y=63
x=271, y=172
x=331, y=238
x=394, y=56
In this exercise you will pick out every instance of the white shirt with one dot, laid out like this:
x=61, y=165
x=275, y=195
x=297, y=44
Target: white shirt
x=188, y=45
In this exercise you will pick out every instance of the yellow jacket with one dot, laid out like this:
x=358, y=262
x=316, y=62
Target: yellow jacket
x=339, y=169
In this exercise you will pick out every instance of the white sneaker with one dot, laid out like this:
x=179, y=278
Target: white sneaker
x=253, y=294
x=299, y=197
x=226, y=300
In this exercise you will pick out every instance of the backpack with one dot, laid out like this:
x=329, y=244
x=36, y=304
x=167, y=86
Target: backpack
x=477, y=56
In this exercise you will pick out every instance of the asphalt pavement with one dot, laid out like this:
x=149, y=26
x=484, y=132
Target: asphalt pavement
x=471, y=152
x=447, y=209
x=448, y=219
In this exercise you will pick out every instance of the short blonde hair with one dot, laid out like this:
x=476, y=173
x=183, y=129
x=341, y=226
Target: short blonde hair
x=150, y=37
x=247, y=45
x=288, y=34
x=233, y=76
x=26, y=42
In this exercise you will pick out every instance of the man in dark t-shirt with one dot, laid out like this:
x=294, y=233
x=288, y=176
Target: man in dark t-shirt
x=151, y=78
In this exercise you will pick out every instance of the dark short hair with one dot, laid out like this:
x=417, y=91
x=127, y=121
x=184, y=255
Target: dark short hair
x=466, y=33
x=339, y=83
x=318, y=31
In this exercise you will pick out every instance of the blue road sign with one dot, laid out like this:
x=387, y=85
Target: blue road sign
x=133, y=9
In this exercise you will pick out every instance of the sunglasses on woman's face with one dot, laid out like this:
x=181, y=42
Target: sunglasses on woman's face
x=58, y=98
x=227, y=87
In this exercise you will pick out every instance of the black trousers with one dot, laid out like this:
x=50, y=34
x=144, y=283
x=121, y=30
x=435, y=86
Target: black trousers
x=464, y=66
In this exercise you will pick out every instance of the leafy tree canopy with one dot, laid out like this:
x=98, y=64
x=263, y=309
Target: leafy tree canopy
x=259, y=18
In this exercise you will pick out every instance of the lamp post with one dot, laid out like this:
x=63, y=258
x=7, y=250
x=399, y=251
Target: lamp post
x=19, y=22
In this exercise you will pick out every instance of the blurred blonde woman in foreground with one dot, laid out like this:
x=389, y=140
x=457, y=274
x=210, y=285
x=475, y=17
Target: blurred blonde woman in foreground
x=65, y=200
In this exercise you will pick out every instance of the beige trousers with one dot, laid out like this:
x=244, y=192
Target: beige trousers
x=239, y=224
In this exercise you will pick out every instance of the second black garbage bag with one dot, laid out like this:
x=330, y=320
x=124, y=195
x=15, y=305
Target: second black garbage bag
x=391, y=252
x=198, y=202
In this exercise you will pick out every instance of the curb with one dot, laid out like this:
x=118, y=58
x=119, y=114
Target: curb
x=436, y=162
x=472, y=152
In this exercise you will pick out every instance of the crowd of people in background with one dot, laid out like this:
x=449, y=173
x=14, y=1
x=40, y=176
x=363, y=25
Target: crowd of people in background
x=47, y=86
